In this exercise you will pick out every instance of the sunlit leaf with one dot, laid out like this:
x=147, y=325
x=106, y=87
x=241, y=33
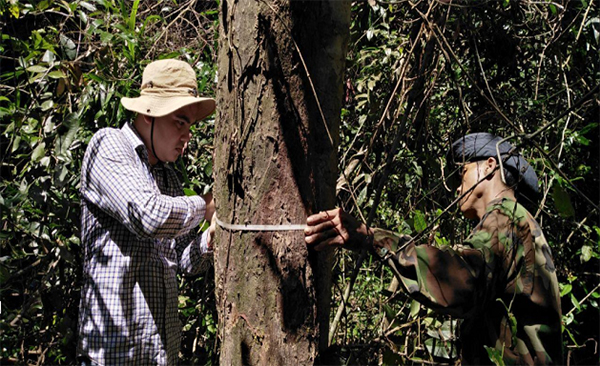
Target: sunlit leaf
x=38, y=152
x=68, y=46
x=87, y=6
x=57, y=74
x=189, y=192
x=586, y=253
x=48, y=104
x=415, y=307
x=495, y=356
x=37, y=69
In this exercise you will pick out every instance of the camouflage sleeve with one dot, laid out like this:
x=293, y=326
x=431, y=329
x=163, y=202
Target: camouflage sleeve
x=453, y=281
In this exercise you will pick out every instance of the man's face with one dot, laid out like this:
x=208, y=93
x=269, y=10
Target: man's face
x=471, y=173
x=172, y=133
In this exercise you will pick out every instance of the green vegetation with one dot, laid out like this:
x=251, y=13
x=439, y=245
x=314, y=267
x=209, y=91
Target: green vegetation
x=64, y=68
x=421, y=74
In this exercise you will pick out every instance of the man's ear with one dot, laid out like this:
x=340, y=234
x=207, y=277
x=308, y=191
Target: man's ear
x=490, y=165
x=147, y=119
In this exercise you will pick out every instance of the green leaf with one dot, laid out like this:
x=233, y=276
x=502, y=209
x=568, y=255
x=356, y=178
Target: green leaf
x=39, y=152
x=37, y=69
x=14, y=10
x=208, y=169
x=47, y=105
x=189, y=192
x=134, y=10
x=415, y=307
x=48, y=57
x=582, y=140
x=60, y=174
x=589, y=127
x=586, y=253
x=68, y=46
x=420, y=221
x=362, y=196
x=43, y=5
x=566, y=289
x=83, y=16
x=575, y=302
x=57, y=74
x=494, y=355
x=87, y=6
x=440, y=349
x=64, y=142
x=562, y=201
x=16, y=143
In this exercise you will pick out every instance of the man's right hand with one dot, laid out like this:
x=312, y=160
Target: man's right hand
x=210, y=206
x=336, y=228
x=211, y=233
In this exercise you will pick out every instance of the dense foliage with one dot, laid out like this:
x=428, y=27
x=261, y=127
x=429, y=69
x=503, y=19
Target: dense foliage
x=418, y=75
x=422, y=74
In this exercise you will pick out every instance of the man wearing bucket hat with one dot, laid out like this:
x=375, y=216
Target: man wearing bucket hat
x=501, y=280
x=138, y=227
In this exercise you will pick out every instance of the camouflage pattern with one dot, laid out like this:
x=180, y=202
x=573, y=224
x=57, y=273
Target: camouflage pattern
x=501, y=281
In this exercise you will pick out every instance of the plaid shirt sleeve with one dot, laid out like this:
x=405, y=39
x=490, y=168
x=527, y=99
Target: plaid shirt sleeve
x=116, y=182
x=194, y=254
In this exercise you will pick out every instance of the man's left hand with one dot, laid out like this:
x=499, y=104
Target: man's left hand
x=335, y=228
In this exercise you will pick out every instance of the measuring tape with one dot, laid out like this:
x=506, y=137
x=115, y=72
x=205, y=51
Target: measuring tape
x=238, y=227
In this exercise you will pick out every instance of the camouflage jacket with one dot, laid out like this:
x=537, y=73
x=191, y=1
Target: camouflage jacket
x=501, y=281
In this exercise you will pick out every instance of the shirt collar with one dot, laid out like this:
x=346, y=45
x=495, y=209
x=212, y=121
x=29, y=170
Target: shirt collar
x=132, y=135
x=135, y=140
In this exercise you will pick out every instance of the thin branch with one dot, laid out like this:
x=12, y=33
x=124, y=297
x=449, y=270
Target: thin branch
x=583, y=300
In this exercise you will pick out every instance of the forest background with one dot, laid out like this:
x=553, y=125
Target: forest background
x=526, y=69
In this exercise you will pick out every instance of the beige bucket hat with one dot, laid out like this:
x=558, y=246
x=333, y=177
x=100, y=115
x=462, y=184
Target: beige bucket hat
x=168, y=85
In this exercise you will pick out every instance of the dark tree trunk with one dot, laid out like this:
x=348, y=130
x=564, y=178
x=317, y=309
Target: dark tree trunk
x=275, y=164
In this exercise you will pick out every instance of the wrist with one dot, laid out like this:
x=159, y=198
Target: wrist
x=368, y=236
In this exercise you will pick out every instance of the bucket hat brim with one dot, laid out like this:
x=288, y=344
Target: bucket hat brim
x=160, y=106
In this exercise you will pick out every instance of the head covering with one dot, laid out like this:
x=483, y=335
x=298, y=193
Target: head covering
x=519, y=175
x=168, y=85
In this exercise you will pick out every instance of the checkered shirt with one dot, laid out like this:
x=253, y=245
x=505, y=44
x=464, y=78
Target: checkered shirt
x=137, y=229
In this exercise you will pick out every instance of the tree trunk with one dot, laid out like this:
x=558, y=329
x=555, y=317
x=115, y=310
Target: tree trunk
x=275, y=163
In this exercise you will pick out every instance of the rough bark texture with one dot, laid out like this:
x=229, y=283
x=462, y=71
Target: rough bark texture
x=275, y=164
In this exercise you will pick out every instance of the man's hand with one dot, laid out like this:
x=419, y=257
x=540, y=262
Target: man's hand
x=211, y=233
x=336, y=228
x=210, y=206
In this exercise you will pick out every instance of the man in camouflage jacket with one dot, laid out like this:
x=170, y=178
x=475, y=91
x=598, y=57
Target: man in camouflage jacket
x=501, y=280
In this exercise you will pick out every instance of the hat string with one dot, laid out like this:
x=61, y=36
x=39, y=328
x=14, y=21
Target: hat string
x=156, y=156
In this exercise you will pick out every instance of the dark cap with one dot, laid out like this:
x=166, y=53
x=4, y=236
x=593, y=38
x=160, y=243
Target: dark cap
x=520, y=176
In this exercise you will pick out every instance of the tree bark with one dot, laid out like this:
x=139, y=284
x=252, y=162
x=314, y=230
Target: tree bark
x=275, y=163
